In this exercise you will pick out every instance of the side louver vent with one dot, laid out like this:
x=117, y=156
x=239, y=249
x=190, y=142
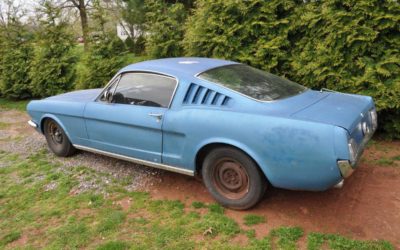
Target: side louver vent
x=200, y=95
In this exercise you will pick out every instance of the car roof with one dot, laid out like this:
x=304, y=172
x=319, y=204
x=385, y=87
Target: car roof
x=178, y=65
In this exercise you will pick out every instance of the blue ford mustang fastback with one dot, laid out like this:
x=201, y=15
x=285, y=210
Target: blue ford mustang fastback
x=237, y=127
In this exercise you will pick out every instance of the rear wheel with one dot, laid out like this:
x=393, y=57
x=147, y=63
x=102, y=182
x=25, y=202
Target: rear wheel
x=233, y=178
x=57, y=139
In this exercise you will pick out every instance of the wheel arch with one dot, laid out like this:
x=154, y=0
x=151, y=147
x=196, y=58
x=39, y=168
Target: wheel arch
x=207, y=147
x=56, y=119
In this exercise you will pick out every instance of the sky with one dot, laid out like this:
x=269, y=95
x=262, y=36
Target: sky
x=27, y=5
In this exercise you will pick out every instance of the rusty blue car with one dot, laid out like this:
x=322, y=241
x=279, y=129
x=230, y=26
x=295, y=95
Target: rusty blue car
x=239, y=128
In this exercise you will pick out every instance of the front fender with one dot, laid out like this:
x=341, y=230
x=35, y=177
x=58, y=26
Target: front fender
x=56, y=119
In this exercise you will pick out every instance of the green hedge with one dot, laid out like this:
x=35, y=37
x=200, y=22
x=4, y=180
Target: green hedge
x=103, y=60
x=165, y=28
x=349, y=46
x=53, y=68
x=16, y=53
x=345, y=45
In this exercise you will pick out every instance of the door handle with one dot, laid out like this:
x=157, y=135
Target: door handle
x=157, y=116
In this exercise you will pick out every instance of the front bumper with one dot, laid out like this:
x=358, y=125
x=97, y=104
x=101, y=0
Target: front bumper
x=33, y=124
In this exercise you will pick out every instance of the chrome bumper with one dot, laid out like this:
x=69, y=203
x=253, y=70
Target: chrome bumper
x=32, y=124
x=347, y=167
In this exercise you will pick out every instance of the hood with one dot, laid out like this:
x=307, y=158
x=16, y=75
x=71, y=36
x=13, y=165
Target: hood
x=77, y=96
x=343, y=110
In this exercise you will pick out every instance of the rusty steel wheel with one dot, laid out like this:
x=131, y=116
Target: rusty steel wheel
x=55, y=133
x=57, y=139
x=233, y=178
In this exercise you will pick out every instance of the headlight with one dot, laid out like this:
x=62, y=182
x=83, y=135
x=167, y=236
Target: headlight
x=374, y=118
x=352, y=150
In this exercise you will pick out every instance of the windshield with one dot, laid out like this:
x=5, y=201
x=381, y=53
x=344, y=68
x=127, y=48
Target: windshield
x=253, y=82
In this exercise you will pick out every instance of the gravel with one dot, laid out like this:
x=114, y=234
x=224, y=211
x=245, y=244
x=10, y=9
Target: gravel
x=21, y=139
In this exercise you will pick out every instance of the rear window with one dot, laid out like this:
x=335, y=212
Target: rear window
x=253, y=82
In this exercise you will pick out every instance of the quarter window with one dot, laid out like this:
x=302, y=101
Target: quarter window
x=253, y=82
x=144, y=89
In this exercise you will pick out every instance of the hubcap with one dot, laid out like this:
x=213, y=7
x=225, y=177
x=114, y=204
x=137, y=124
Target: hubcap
x=231, y=179
x=55, y=133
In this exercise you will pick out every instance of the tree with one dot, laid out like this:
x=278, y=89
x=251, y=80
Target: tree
x=105, y=55
x=165, y=29
x=82, y=7
x=53, y=70
x=133, y=15
x=16, y=52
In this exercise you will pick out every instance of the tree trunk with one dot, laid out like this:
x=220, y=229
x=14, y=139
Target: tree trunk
x=84, y=23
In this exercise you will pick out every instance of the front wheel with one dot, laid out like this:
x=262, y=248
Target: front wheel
x=233, y=178
x=57, y=139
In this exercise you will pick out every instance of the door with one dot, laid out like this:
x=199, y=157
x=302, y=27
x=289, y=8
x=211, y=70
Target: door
x=130, y=122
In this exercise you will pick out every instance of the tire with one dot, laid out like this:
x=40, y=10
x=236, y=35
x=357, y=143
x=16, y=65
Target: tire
x=57, y=139
x=233, y=178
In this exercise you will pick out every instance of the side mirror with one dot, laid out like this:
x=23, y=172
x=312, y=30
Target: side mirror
x=107, y=96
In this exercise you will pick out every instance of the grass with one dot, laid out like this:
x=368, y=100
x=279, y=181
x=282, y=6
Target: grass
x=4, y=125
x=286, y=237
x=253, y=219
x=198, y=204
x=114, y=245
x=385, y=161
x=57, y=219
x=336, y=242
x=13, y=104
x=10, y=237
x=388, y=161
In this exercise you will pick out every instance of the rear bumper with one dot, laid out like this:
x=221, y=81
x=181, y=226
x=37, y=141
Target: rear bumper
x=347, y=167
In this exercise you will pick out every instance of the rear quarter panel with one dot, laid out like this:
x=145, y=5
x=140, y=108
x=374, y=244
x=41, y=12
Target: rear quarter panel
x=292, y=154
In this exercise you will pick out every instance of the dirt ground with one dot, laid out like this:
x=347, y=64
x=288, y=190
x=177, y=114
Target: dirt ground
x=367, y=207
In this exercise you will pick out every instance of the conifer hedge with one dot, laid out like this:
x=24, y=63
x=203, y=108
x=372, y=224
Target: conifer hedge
x=16, y=52
x=102, y=61
x=345, y=45
x=165, y=28
x=54, y=64
x=350, y=46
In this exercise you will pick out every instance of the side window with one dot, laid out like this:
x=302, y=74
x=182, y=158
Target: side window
x=111, y=89
x=145, y=89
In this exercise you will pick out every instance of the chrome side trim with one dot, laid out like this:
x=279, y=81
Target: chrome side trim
x=138, y=161
x=32, y=124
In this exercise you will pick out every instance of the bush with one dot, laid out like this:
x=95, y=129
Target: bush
x=166, y=28
x=102, y=61
x=54, y=64
x=253, y=32
x=15, y=62
x=136, y=46
x=350, y=46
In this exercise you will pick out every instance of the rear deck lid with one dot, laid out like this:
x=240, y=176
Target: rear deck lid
x=338, y=109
